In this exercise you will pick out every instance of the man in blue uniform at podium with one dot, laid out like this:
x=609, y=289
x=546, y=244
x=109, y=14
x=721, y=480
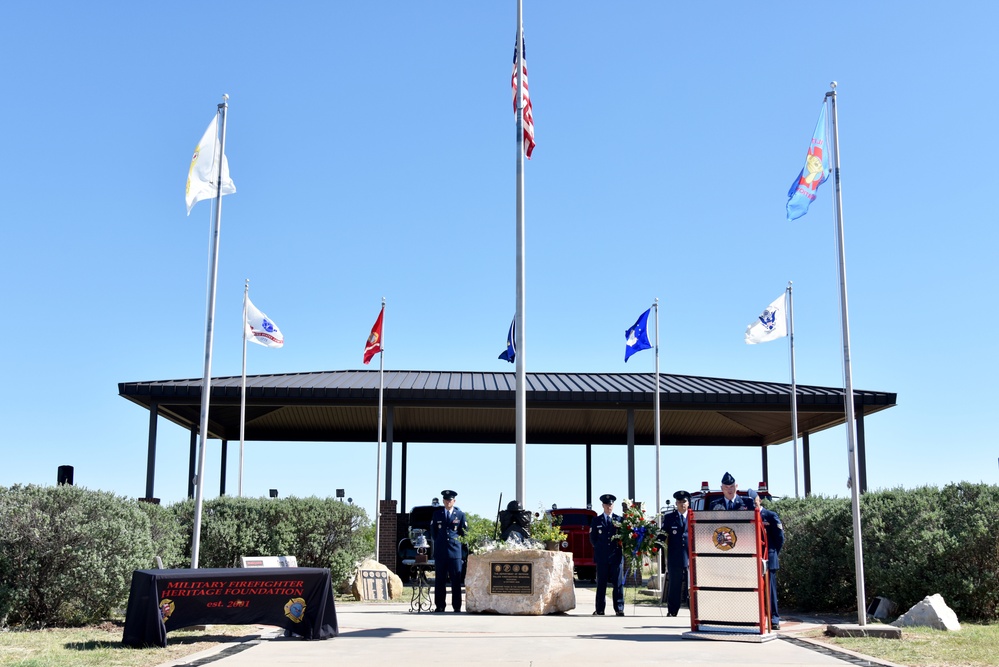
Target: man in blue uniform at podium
x=448, y=524
x=731, y=500
x=608, y=557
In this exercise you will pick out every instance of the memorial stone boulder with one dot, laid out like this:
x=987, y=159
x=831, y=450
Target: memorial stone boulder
x=528, y=582
x=374, y=581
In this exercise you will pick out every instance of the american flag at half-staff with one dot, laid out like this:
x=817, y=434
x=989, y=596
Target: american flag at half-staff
x=528, y=107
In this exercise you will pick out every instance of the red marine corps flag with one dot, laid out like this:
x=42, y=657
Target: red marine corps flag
x=374, y=344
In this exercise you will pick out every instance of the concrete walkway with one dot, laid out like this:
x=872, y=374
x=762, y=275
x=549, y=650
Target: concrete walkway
x=389, y=634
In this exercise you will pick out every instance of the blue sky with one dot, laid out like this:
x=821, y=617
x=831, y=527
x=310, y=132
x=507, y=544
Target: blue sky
x=372, y=147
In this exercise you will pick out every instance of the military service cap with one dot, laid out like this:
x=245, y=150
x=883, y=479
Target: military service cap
x=682, y=495
x=608, y=499
x=448, y=494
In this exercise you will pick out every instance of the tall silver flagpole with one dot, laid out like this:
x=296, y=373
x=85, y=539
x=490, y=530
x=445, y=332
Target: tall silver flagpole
x=851, y=439
x=656, y=415
x=521, y=333
x=206, y=384
x=242, y=393
x=794, y=387
x=378, y=465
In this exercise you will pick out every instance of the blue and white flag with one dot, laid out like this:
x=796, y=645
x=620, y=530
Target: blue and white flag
x=636, y=338
x=261, y=329
x=772, y=324
x=815, y=172
x=510, y=353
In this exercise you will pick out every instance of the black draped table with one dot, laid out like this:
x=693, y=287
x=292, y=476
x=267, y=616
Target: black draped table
x=298, y=599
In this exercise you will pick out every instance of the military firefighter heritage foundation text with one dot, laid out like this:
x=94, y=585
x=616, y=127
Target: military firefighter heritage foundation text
x=226, y=588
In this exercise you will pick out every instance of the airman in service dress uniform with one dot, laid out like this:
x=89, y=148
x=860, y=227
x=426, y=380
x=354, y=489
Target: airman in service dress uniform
x=608, y=557
x=731, y=500
x=677, y=554
x=447, y=524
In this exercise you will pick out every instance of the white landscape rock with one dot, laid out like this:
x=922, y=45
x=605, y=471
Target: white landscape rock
x=931, y=612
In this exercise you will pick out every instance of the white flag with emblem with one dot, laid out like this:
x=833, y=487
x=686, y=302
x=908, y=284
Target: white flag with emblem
x=261, y=329
x=201, y=178
x=772, y=324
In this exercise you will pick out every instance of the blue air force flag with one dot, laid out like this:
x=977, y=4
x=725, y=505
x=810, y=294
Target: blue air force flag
x=815, y=172
x=772, y=324
x=261, y=329
x=636, y=338
x=510, y=353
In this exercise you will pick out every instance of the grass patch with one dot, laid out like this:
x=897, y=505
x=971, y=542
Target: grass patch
x=100, y=646
x=972, y=646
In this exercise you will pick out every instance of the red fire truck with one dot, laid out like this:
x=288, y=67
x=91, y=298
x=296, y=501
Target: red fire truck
x=576, y=526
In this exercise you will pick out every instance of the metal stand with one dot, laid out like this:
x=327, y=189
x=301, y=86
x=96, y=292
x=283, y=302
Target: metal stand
x=421, y=600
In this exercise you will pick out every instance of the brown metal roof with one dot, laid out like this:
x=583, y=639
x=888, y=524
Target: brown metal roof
x=478, y=407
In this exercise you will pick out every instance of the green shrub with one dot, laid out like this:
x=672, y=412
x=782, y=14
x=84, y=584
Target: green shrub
x=68, y=553
x=319, y=532
x=916, y=542
x=480, y=531
x=168, y=535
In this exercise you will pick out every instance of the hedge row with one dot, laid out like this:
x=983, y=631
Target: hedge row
x=915, y=543
x=67, y=553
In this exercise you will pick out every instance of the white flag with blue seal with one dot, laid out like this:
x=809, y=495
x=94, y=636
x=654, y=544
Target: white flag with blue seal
x=261, y=329
x=772, y=324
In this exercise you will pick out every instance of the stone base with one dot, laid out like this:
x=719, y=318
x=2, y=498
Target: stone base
x=551, y=573
x=857, y=630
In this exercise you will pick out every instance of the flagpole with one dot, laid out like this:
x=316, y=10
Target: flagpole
x=794, y=387
x=854, y=480
x=655, y=305
x=206, y=384
x=242, y=394
x=378, y=465
x=521, y=374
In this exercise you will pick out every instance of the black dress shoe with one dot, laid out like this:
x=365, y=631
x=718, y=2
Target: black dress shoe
x=775, y=626
x=670, y=614
x=620, y=613
x=438, y=611
x=598, y=613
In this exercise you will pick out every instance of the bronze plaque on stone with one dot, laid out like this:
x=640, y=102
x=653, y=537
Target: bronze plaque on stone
x=511, y=579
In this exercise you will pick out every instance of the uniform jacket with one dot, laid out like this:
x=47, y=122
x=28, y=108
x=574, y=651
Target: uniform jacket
x=775, y=537
x=606, y=549
x=445, y=533
x=741, y=503
x=675, y=534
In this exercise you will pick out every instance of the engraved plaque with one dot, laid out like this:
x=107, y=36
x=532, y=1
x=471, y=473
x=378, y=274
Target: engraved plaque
x=511, y=579
x=374, y=585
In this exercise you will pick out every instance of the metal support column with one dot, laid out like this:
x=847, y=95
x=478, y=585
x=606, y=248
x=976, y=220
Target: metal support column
x=806, y=464
x=154, y=410
x=631, y=453
x=222, y=467
x=862, y=450
x=589, y=476
x=390, y=419
x=190, y=466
